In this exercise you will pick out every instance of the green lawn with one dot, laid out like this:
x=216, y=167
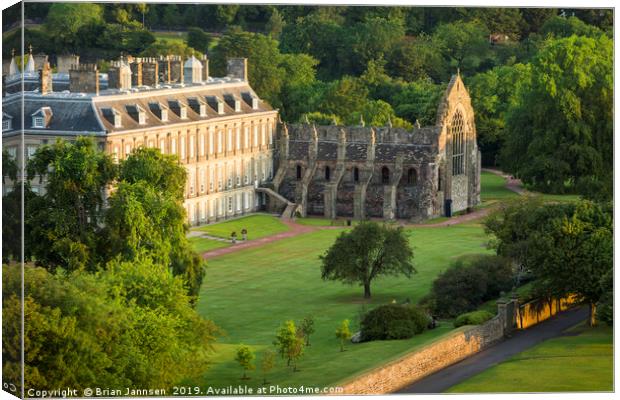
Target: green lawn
x=317, y=221
x=171, y=36
x=250, y=293
x=258, y=226
x=566, y=364
x=202, y=245
x=493, y=188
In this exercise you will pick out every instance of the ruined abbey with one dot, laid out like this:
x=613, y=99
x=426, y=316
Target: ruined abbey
x=383, y=172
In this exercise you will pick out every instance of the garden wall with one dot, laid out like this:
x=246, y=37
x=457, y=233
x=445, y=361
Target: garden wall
x=432, y=358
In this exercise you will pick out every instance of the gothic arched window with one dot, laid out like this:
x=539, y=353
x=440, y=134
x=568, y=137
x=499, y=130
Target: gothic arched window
x=458, y=144
x=356, y=174
x=327, y=173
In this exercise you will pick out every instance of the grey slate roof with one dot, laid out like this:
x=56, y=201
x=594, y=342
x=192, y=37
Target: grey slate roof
x=71, y=116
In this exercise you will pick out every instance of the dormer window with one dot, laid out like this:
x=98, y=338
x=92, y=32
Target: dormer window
x=42, y=117
x=178, y=108
x=113, y=116
x=160, y=110
x=250, y=99
x=216, y=104
x=198, y=106
x=233, y=102
x=7, y=122
x=137, y=113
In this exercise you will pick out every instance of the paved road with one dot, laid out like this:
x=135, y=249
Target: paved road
x=520, y=341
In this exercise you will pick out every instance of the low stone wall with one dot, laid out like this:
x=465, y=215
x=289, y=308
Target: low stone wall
x=425, y=361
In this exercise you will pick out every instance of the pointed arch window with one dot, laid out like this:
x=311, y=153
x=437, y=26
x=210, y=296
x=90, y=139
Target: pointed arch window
x=327, y=173
x=458, y=144
x=356, y=174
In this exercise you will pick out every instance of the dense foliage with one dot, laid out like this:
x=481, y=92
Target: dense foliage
x=393, y=321
x=366, y=252
x=473, y=318
x=469, y=283
x=567, y=247
x=130, y=325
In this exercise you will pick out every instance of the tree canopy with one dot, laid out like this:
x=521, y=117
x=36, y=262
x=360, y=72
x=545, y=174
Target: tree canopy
x=366, y=252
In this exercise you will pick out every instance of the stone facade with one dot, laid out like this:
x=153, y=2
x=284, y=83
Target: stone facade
x=384, y=172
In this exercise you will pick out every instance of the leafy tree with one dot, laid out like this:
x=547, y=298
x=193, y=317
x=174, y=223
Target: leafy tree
x=369, y=250
x=344, y=97
x=267, y=363
x=168, y=47
x=567, y=247
x=265, y=75
x=343, y=333
x=371, y=39
x=504, y=20
x=109, y=328
x=198, y=39
x=378, y=113
x=290, y=343
x=275, y=24
x=66, y=222
x=307, y=327
x=560, y=27
x=559, y=132
x=492, y=93
x=464, y=45
x=146, y=215
x=534, y=19
x=245, y=358
x=417, y=101
x=171, y=17
x=300, y=92
x=417, y=59
x=64, y=20
x=321, y=119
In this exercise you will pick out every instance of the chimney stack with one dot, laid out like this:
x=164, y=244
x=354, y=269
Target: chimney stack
x=45, y=78
x=136, y=72
x=64, y=63
x=164, y=69
x=150, y=72
x=237, y=68
x=119, y=76
x=84, y=78
x=39, y=61
x=205, y=67
x=176, y=69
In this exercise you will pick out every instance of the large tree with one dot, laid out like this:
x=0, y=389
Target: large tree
x=559, y=134
x=66, y=219
x=366, y=252
x=567, y=247
x=64, y=20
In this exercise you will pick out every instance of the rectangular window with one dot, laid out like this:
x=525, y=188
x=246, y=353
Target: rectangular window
x=246, y=137
x=173, y=146
x=210, y=141
x=38, y=122
x=202, y=145
x=219, y=141
x=30, y=150
x=229, y=140
x=263, y=140
x=191, y=146
x=238, y=138
x=182, y=142
x=6, y=124
x=230, y=204
x=127, y=149
x=270, y=133
x=162, y=146
x=255, y=142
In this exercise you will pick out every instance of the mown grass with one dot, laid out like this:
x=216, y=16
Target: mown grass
x=580, y=362
x=251, y=292
x=202, y=245
x=257, y=225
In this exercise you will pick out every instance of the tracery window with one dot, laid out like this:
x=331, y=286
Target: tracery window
x=458, y=144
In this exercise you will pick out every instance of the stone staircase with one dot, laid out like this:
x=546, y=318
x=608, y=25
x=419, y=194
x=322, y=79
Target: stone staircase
x=289, y=210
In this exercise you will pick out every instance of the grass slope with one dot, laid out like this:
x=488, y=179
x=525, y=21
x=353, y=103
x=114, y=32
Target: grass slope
x=202, y=245
x=583, y=362
x=258, y=226
x=250, y=293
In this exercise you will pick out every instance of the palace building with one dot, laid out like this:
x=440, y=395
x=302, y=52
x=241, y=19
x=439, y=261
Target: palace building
x=239, y=157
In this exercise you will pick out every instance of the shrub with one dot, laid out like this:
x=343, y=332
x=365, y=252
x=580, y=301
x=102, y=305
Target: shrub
x=393, y=321
x=469, y=283
x=473, y=318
